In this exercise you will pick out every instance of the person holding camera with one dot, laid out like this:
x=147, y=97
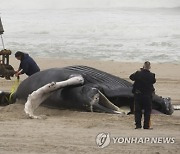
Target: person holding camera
x=143, y=89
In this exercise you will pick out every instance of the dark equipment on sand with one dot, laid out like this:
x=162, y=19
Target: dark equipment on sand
x=6, y=70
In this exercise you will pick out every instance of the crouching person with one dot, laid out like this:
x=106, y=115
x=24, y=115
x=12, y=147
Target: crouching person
x=27, y=64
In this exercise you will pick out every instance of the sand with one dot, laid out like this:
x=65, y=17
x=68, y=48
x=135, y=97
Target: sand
x=67, y=131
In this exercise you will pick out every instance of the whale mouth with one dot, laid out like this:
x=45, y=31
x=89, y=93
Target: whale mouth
x=101, y=103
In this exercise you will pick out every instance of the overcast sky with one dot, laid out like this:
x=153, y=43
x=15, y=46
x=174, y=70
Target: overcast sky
x=57, y=4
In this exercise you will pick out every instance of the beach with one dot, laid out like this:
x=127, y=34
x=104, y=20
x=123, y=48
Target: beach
x=67, y=131
x=114, y=36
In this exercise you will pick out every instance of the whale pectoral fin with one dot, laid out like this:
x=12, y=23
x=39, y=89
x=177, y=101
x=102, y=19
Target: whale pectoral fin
x=103, y=104
x=107, y=110
x=41, y=94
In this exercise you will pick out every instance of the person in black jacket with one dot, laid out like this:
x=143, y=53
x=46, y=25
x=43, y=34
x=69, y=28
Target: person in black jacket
x=143, y=89
x=27, y=64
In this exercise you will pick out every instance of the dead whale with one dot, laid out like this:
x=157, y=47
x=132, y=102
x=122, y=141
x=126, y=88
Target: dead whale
x=81, y=87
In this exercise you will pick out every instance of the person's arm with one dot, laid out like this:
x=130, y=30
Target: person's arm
x=19, y=72
x=24, y=66
x=133, y=76
x=18, y=68
x=154, y=79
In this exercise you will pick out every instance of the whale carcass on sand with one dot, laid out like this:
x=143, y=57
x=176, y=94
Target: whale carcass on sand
x=81, y=87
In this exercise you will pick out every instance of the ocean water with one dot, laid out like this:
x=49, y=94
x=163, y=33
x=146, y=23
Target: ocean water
x=102, y=30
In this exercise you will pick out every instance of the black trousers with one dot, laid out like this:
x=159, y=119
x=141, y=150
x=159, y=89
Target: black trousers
x=142, y=102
